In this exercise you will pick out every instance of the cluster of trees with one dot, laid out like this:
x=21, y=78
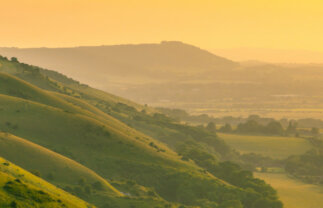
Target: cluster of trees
x=309, y=166
x=273, y=128
x=13, y=59
x=252, y=126
x=83, y=189
x=182, y=115
x=262, y=194
x=190, y=142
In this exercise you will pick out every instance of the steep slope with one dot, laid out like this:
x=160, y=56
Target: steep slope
x=54, y=81
x=109, y=147
x=113, y=155
x=20, y=188
x=72, y=176
x=56, y=168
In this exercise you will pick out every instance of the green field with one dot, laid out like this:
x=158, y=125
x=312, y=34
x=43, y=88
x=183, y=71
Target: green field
x=293, y=193
x=275, y=147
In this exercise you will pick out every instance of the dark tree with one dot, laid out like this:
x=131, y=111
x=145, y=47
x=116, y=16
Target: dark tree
x=211, y=127
x=14, y=59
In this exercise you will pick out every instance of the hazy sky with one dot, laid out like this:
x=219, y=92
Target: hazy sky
x=285, y=24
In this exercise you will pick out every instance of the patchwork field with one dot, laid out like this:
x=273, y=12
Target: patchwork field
x=293, y=193
x=275, y=147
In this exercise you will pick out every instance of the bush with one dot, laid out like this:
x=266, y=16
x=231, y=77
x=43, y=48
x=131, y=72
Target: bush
x=14, y=204
x=81, y=181
x=18, y=189
x=36, y=173
x=14, y=59
x=98, y=186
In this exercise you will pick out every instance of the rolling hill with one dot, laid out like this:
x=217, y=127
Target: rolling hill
x=20, y=188
x=94, y=130
x=56, y=168
x=178, y=75
x=123, y=60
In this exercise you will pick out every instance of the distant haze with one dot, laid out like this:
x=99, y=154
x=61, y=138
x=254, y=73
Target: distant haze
x=102, y=66
x=271, y=55
x=290, y=24
x=178, y=75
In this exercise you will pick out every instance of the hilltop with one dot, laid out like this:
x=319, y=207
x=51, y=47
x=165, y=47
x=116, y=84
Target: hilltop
x=109, y=66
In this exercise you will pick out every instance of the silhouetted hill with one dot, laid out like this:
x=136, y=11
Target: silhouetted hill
x=144, y=60
x=177, y=75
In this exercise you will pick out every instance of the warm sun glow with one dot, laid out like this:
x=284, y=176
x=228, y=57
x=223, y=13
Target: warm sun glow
x=287, y=24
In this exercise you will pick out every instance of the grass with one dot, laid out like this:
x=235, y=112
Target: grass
x=293, y=193
x=96, y=140
x=52, y=166
x=275, y=147
x=23, y=189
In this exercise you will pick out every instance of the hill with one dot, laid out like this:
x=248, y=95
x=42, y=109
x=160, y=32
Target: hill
x=89, y=128
x=177, y=75
x=20, y=188
x=142, y=59
x=120, y=68
x=52, y=166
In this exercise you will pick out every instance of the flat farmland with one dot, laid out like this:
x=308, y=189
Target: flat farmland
x=293, y=193
x=275, y=147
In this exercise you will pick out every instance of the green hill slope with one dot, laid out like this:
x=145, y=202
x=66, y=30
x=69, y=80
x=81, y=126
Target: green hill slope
x=20, y=188
x=73, y=128
x=90, y=142
x=56, y=168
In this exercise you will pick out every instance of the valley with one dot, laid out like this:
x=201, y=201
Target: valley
x=112, y=152
x=161, y=104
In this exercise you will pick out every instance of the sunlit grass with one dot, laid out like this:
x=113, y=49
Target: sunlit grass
x=276, y=147
x=293, y=193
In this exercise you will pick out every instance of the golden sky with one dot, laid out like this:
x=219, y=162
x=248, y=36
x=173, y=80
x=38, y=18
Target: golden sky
x=285, y=24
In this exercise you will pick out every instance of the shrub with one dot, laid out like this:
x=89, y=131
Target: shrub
x=36, y=173
x=18, y=189
x=13, y=204
x=98, y=186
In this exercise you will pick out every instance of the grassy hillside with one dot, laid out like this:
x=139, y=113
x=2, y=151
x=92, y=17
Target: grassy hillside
x=272, y=146
x=52, y=166
x=20, y=188
x=293, y=193
x=113, y=155
x=89, y=130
